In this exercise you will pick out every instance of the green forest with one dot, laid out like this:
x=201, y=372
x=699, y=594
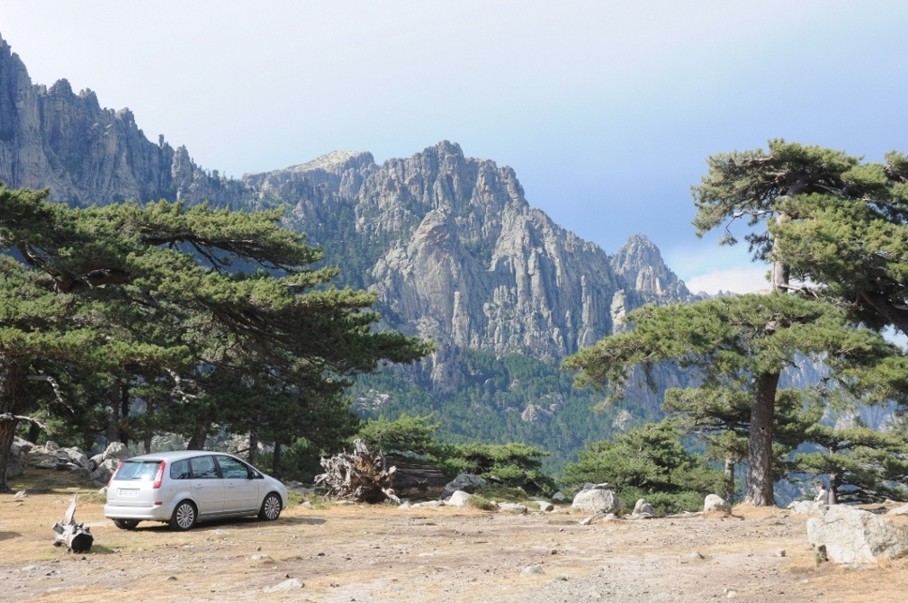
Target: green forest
x=213, y=320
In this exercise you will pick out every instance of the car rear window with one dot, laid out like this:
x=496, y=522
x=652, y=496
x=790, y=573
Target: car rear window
x=144, y=470
x=180, y=470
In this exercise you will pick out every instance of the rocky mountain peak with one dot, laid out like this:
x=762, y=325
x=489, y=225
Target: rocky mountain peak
x=336, y=162
x=448, y=242
x=640, y=263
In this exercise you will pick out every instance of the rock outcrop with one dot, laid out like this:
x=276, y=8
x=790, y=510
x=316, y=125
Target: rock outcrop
x=53, y=137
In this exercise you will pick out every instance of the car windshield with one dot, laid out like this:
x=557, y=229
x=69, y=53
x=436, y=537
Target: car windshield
x=138, y=470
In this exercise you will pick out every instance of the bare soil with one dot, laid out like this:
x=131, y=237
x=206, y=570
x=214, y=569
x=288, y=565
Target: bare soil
x=379, y=553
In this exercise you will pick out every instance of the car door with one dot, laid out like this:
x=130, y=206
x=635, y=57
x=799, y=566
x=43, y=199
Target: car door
x=241, y=492
x=207, y=485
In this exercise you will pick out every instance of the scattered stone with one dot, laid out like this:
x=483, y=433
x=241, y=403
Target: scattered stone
x=285, y=586
x=545, y=506
x=21, y=494
x=604, y=516
x=533, y=569
x=429, y=504
x=262, y=559
x=516, y=508
x=559, y=497
x=643, y=509
x=458, y=499
x=715, y=504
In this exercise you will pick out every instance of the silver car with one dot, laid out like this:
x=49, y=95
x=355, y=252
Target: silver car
x=188, y=486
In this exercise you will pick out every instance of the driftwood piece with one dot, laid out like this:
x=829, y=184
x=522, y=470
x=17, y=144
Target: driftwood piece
x=76, y=536
x=360, y=476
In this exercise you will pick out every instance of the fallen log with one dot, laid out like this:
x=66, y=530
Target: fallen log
x=417, y=480
x=76, y=536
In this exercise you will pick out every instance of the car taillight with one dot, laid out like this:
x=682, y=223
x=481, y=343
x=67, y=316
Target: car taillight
x=114, y=474
x=159, y=475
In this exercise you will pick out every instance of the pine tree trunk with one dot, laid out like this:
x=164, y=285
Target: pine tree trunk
x=729, y=480
x=276, y=459
x=253, y=445
x=12, y=381
x=122, y=429
x=197, y=440
x=832, y=495
x=759, y=456
x=7, y=435
x=113, y=412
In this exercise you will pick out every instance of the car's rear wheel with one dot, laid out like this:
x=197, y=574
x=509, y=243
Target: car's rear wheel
x=271, y=507
x=126, y=524
x=184, y=516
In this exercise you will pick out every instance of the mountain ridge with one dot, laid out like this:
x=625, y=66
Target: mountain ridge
x=448, y=243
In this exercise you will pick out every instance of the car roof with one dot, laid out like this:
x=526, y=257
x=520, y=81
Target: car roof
x=174, y=455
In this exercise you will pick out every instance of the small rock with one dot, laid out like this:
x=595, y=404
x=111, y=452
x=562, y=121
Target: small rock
x=286, y=585
x=516, y=508
x=533, y=569
x=459, y=499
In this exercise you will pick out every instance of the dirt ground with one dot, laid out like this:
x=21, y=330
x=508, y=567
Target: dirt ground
x=378, y=554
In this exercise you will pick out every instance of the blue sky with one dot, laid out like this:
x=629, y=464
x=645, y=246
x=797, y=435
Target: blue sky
x=606, y=110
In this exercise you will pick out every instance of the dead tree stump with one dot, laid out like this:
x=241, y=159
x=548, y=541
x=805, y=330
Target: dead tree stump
x=360, y=476
x=76, y=536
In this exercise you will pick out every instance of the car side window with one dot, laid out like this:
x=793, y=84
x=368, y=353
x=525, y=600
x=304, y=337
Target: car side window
x=232, y=468
x=203, y=467
x=179, y=470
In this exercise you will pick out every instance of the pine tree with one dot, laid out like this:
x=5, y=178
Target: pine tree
x=165, y=294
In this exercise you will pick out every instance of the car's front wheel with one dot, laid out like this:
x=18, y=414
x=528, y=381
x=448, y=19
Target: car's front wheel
x=126, y=524
x=271, y=507
x=184, y=516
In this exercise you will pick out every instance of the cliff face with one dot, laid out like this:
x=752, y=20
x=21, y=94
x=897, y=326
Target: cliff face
x=456, y=254
x=52, y=137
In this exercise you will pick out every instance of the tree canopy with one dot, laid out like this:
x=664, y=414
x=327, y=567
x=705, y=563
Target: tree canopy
x=214, y=314
x=833, y=223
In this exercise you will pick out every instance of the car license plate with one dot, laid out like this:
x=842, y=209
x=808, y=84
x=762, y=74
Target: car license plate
x=128, y=491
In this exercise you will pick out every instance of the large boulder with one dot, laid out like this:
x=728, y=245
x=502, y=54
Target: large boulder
x=854, y=536
x=596, y=500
